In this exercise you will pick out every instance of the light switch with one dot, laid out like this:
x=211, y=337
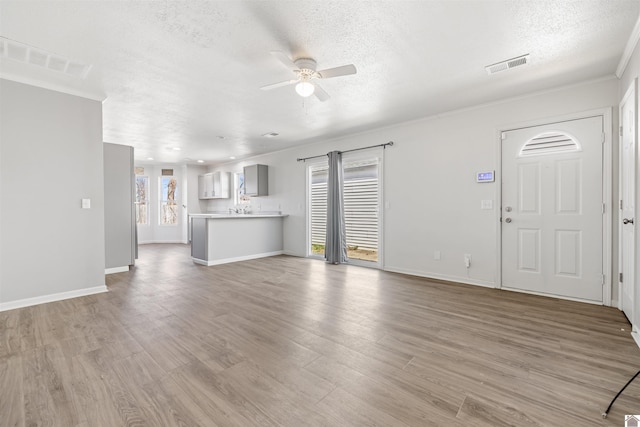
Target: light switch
x=486, y=204
x=86, y=203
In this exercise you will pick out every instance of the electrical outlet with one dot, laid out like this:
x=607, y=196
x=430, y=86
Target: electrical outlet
x=436, y=255
x=467, y=260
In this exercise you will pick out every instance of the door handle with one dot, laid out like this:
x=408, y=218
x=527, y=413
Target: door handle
x=508, y=220
x=627, y=221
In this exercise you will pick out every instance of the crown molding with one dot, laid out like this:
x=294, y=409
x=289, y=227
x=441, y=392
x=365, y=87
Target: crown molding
x=628, y=50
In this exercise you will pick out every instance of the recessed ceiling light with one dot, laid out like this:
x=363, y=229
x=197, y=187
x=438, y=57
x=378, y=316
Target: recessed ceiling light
x=232, y=157
x=149, y=158
x=270, y=135
x=177, y=148
x=200, y=161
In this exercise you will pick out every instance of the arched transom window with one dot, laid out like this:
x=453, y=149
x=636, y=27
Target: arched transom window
x=550, y=143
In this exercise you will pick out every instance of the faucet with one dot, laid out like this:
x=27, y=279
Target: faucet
x=233, y=210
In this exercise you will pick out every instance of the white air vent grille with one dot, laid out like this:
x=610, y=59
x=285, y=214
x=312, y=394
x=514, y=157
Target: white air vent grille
x=30, y=55
x=507, y=65
x=550, y=143
x=38, y=58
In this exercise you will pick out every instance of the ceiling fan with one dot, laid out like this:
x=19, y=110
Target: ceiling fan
x=305, y=71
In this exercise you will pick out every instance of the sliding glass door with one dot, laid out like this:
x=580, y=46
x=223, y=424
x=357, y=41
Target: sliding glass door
x=362, y=208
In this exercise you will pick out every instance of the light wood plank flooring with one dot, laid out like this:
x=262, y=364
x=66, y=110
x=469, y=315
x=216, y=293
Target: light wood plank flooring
x=286, y=341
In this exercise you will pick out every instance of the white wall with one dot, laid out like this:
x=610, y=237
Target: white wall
x=631, y=72
x=195, y=205
x=50, y=158
x=429, y=182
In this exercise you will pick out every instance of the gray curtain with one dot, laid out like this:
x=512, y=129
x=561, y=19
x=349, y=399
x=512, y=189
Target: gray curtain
x=335, y=250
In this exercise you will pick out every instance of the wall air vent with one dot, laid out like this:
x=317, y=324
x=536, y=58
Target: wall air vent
x=21, y=52
x=549, y=143
x=508, y=64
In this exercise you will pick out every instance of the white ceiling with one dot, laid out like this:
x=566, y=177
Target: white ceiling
x=184, y=73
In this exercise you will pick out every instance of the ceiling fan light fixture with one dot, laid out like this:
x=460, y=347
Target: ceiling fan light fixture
x=305, y=89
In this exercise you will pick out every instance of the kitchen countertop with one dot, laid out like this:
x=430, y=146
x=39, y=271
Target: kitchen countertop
x=235, y=215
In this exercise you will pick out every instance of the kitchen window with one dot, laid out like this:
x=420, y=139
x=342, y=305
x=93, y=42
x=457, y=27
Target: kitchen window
x=168, y=204
x=238, y=188
x=142, y=204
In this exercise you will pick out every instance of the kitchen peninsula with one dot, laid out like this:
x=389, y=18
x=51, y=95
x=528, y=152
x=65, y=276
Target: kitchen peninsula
x=224, y=238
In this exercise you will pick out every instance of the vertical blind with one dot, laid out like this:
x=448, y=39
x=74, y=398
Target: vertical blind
x=360, y=206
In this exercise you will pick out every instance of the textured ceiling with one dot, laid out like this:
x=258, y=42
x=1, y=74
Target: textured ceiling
x=184, y=73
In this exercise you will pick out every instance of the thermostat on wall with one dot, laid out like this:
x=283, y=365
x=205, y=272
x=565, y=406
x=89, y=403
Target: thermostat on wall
x=489, y=176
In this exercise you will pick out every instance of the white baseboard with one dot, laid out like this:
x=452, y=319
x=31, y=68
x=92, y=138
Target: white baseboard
x=27, y=302
x=151, y=242
x=465, y=280
x=542, y=294
x=116, y=269
x=236, y=259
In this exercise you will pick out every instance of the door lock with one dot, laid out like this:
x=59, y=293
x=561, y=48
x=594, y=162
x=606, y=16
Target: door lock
x=508, y=220
x=627, y=221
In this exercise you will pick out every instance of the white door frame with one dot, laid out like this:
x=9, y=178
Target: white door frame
x=632, y=90
x=607, y=191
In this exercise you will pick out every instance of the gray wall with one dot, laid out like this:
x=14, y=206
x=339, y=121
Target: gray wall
x=50, y=159
x=119, y=214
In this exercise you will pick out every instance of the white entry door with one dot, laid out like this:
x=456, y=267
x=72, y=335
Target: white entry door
x=627, y=202
x=552, y=209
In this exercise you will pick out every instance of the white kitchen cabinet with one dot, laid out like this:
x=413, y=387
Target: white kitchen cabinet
x=256, y=180
x=213, y=185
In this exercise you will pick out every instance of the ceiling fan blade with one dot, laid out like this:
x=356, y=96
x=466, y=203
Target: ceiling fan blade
x=281, y=84
x=320, y=93
x=344, y=70
x=286, y=61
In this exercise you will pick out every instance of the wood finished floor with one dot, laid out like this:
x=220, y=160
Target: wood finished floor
x=287, y=341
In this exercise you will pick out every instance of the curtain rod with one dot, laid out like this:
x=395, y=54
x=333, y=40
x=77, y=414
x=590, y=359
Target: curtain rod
x=384, y=146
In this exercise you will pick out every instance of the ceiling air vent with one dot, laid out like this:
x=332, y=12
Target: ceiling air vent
x=31, y=55
x=549, y=143
x=507, y=65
